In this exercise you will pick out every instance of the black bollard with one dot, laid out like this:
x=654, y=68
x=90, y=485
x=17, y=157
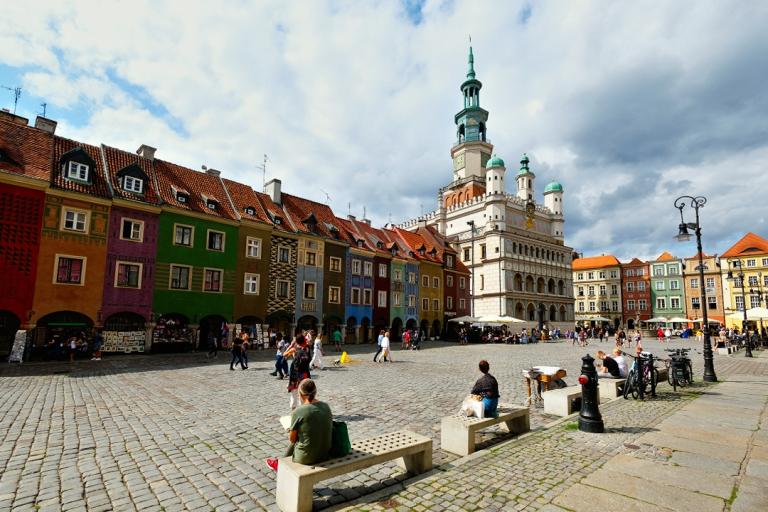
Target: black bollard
x=652, y=375
x=590, y=419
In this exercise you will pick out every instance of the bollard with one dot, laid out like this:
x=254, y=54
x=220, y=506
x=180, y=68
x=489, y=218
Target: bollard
x=651, y=375
x=590, y=419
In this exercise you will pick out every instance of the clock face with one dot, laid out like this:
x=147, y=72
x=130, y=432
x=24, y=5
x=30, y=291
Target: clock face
x=530, y=208
x=458, y=162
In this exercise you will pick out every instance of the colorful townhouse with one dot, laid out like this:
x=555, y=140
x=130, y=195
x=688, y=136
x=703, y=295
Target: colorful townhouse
x=430, y=285
x=358, y=294
x=254, y=246
x=196, y=261
x=283, y=262
x=25, y=168
x=131, y=247
x=73, y=247
x=749, y=256
x=712, y=285
x=667, y=295
x=376, y=242
x=398, y=306
x=636, y=293
x=597, y=288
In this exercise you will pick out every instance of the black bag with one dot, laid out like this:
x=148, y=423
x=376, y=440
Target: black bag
x=340, y=444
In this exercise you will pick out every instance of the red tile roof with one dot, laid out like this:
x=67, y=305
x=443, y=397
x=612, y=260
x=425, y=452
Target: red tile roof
x=117, y=160
x=302, y=209
x=199, y=185
x=25, y=150
x=372, y=237
x=273, y=211
x=245, y=197
x=634, y=263
x=665, y=256
x=415, y=242
x=595, y=262
x=98, y=185
x=749, y=244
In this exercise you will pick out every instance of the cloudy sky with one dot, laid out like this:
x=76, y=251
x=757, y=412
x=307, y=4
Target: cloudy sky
x=627, y=104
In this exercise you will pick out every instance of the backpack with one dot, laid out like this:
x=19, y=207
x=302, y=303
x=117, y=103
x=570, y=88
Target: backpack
x=301, y=361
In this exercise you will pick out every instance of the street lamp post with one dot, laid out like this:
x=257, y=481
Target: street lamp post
x=683, y=236
x=738, y=280
x=471, y=225
x=762, y=298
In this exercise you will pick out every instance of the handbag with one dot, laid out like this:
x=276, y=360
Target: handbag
x=340, y=444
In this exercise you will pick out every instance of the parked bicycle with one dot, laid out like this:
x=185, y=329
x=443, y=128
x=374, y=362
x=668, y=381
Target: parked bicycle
x=642, y=377
x=679, y=367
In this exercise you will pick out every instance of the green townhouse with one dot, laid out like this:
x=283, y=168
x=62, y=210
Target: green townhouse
x=667, y=295
x=195, y=276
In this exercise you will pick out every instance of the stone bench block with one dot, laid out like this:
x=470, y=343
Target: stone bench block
x=559, y=402
x=457, y=433
x=610, y=389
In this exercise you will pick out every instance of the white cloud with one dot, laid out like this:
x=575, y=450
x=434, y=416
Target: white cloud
x=625, y=104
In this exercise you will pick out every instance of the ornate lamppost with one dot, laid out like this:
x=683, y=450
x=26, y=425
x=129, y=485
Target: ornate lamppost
x=684, y=236
x=738, y=280
x=471, y=224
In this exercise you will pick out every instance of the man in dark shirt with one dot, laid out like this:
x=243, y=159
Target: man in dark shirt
x=610, y=367
x=487, y=387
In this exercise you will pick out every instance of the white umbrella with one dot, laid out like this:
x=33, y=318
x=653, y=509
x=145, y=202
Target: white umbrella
x=470, y=319
x=757, y=314
x=499, y=319
x=587, y=318
x=657, y=319
x=701, y=320
x=679, y=320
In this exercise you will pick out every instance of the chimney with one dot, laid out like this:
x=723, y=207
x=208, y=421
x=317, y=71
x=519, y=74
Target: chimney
x=422, y=223
x=272, y=189
x=351, y=217
x=147, y=152
x=45, y=124
x=213, y=172
x=366, y=221
x=13, y=118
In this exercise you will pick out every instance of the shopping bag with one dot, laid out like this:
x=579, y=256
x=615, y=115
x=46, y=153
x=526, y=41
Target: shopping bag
x=472, y=407
x=340, y=444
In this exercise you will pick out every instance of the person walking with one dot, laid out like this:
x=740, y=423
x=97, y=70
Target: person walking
x=406, y=339
x=299, y=368
x=281, y=363
x=244, y=350
x=385, y=348
x=337, y=339
x=213, y=346
x=237, y=354
x=98, y=341
x=317, y=354
x=378, y=342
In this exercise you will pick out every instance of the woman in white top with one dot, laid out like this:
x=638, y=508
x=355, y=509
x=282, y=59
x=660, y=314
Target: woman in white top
x=317, y=355
x=385, y=348
x=621, y=361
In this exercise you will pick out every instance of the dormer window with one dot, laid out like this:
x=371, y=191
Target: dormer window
x=422, y=252
x=379, y=245
x=359, y=243
x=182, y=197
x=212, y=205
x=131, y=184
x=394, y=252
x=278, y=220
x=77, y=171
x=250, y=210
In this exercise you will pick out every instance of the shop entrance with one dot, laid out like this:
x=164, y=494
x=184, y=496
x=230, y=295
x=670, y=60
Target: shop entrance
x=365, y=328
x=54, y=330
x=172, y=333
x=9, y=324
x=212, y=325
x=280, y=321
x=306, y=323
x=124, y=332
x=396, y=331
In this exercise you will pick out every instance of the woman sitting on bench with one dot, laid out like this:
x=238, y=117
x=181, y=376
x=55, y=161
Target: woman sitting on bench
x=487, y=387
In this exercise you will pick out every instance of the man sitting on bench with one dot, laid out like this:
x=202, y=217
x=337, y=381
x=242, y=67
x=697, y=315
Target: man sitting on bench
x=610, y=368
x=311, y=428
x=487, y=387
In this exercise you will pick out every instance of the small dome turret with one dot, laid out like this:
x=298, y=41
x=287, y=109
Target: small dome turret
x=553, y=186
x=494, y=162
x=524, y=166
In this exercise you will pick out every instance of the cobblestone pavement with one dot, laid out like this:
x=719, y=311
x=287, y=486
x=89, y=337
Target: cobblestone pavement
x=185, y=433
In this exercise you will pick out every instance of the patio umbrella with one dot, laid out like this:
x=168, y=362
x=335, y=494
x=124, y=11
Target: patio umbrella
x=757, y=314
x=470, y=319
x=595, y=318
x=679, y=320
x=657, y=319
x=700, y=320
x=499, y=319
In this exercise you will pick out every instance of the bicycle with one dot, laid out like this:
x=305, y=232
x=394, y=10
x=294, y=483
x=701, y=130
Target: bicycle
x=679, y=367
x=641, y=375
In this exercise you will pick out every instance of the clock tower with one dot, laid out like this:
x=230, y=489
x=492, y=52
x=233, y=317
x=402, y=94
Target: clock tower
x=471, y=151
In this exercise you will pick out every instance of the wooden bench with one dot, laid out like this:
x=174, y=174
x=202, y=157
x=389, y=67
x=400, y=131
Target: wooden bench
x=295, y=482
x=609, y=388
x=559, y=402
x=457, y=433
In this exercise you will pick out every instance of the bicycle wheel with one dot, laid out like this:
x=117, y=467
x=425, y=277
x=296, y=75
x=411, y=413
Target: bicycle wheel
x=690, y=372
x=670, y=375
x=628, y=384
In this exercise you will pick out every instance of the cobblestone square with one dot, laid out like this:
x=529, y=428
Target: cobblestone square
x=186, y=433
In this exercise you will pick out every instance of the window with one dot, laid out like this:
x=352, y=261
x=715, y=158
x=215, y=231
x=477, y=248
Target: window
x=765, y=281
x=128, y=275
x=212, y=204
x=310, y=259
x=592, y=305
x=674, y=302
x=334, y=294
x=412, y=277
x=462, y=283
x=710, y=282
x=580, y=292
x=367, y=296
x=629, y=272
x=752, y=280
x=411, y=301
x=462, y=304
x=425, y=281
x=284, y=254
x=69, y=270
x=603, y=305
x=282, y=288
x=356, y=266
x=183, y=235
x=449, y=302
x=397, y=299
x=449, y=281
x=581, y=307
x=355, y=299
x=751, y=263
x=695, y=303
x=630, y=286
x=250, y=210
x=310, y=291
x=580, y=276
x=75, y=220
x=425, y=304
x=630, y=305
x=661, y=303
x=334, y=264
x=601, y=274
x=435, y=282
x=712, y=302
x=590, y=275
x=614, y=289
x=382, y=270
x=591, y=290
x=466, y=254
x=382, y=299
x=367, y=268
x=77, y=171
x=694, y=283
x=253, y=247
x=132, y=230
x=658, y=271
x=765, y=262
x=251, y=284
x=642, y=304
x=482, y=251
x=602, y=289
x=131, y=184
x=673, y=270
x=215, y=240
x=482, y=282
x=641, y=286
x=614, y=274
x=660, y=285
x=674, y=284
x=615, y=305
x=754, y=301
x=212, y=280
x=740, y=303
x=180, y=277
x=436, y=305
x=182, y=197
x=449, y=261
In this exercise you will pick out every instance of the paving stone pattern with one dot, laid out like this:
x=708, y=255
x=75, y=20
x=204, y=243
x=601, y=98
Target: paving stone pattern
x=184, y=433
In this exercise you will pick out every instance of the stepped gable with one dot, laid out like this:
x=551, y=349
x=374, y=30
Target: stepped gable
x=303, y=210
x=118, y=160
x=65, y=148
x=245, y=197
x=199, y=187
x=25, y=150
x=596, y=262
x=749, y=244
x=665, y=256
